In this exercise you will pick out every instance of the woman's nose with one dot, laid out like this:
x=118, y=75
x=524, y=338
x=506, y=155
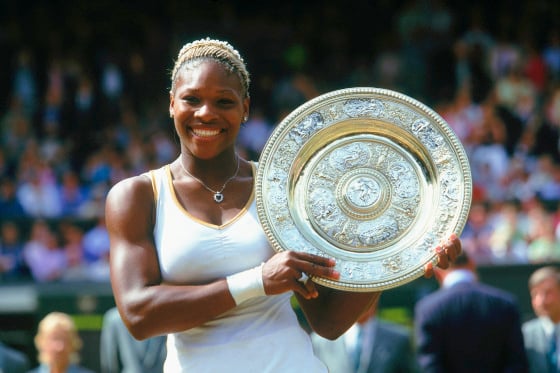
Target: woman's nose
x=205, y=112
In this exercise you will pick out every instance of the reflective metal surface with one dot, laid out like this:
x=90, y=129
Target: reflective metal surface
x=368, y=176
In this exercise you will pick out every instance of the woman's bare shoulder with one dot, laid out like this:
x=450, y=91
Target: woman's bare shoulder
x=130, y=187
x=129, y=199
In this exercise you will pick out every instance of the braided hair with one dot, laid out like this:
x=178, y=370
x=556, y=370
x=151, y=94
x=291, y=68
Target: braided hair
x=215, y=50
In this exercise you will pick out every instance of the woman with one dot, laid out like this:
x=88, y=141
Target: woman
x=189, y=257
x=58, y=343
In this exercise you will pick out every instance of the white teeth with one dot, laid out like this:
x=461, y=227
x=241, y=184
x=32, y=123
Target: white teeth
x=205, y=133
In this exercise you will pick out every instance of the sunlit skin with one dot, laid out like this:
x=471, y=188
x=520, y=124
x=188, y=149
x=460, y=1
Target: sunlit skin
x=545, y=299
x=208, y=107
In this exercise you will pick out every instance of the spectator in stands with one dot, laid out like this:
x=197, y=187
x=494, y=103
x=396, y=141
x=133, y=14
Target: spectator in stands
x=25, y=85
x=71, y=239
x=489, y=159
x=12, y=264
x=542, y=334
x=73, y=194
x=43, y=253
x=507, y=241
x=544, y=246
x=96, y=250
x=38, y=194
x=551, y=108
x=58, y=344
x=477, y=232
x=95, y=205
x=254, y=134
x=15, y=130
x=10, y=206
x=551, y=54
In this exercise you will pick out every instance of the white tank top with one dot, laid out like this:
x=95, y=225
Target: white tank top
x=261, y=334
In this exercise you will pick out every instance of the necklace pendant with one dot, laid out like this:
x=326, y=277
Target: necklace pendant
x=218, y=197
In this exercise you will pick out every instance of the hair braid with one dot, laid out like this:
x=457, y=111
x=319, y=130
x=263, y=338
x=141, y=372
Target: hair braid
x=217, y=50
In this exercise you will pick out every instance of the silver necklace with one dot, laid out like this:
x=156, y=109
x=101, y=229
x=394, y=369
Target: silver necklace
x=218, y=196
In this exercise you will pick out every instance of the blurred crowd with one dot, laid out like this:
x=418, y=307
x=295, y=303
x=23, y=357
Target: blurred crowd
x=84, y=105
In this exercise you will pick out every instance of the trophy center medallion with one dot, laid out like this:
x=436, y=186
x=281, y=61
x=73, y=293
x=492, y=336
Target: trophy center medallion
x=363, y=191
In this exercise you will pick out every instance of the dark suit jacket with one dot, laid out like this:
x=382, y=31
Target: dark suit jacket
x=536, y=345
x=391, y=351
x=12, y=360
x=469, y=327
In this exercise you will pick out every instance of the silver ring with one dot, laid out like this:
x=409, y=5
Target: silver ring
x=303, y=279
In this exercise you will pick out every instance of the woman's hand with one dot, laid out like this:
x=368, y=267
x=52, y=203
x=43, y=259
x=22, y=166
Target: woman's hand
x=289, y=270
x=447, y=252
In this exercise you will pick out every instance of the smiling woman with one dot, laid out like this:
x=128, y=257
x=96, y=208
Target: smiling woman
x=189, y=257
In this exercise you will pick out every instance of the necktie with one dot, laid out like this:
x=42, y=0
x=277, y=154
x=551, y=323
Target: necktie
x=552, y=354
x=358, y=348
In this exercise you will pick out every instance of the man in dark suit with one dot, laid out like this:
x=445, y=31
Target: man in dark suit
x=466, y=326
x=542, y=334
x=369, y=346
x=121, y=353
x=12, y=360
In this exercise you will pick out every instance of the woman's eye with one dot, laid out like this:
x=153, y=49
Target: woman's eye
x=190, y=100
x=225, y=102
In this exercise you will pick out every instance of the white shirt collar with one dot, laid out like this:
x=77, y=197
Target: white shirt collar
x=459, y=276
x=548, y=325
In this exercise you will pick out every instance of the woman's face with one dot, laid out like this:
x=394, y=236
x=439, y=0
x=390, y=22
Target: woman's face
x=208, y=107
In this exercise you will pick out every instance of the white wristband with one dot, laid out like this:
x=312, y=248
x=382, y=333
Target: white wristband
x=246, y=285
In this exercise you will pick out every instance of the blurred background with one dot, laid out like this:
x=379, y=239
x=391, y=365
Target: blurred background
x=84, y=103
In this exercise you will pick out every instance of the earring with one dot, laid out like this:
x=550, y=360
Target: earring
x=245, y=118
x=170, y=115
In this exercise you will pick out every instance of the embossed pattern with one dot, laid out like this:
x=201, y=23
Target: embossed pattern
x=371, y=177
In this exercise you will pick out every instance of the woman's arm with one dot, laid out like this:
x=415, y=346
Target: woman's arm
x=334, y=311
x=148, y=306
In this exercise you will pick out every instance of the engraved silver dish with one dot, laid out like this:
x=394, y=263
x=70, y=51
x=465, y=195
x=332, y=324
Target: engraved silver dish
x=368, y=176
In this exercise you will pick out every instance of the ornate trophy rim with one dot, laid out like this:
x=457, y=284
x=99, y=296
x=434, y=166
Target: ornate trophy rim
x=369, y=176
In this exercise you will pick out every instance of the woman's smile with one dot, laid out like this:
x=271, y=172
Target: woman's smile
x=205, y=132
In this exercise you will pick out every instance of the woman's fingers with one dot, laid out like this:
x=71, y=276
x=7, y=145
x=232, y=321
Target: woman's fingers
x=447, y=252
x=306, y=287
x=443, y=259
x=291, y=270
x=428, y=270
x=317, y=266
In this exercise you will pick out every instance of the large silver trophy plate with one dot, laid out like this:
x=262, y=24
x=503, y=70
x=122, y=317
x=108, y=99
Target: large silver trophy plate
x=370, y=177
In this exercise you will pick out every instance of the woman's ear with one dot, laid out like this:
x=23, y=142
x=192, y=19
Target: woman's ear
x=171, y=102
x=246, y=106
